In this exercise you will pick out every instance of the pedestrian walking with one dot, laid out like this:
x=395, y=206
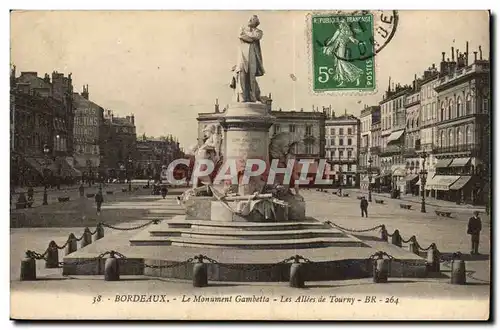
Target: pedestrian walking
x=31, y=193
x=81, y=189
x=98, y=201
x=164, y=191
x=364, y=207
x=474, y=229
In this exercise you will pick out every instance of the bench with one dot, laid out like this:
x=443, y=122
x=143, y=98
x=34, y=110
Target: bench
x=136, y=188
x=90, y=195
x=346, y=195
x=405, y=206
x=443, y=213
x=124, y=189
x=334, y=192
x=379, y=201
x=20, y=205
x=63, y=199
x=110, y=192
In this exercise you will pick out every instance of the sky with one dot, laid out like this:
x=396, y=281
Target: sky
x=167, y=66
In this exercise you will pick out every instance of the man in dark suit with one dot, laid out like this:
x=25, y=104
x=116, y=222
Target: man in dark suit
x=364, y=207
x=474, y=229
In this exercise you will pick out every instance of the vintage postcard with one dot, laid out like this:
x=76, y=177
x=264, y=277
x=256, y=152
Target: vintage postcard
x=250, y=165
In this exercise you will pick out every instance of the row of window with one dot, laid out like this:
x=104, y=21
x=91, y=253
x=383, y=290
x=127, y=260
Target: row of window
x=345, y=168
x=87, y=131
x=87, y=149
x=341, y=152
x=455, y=136
x=292, y=129
x=341, y=131
x=341, y=142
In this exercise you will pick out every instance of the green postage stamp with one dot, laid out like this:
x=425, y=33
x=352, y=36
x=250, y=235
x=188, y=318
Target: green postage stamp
x=343, y=50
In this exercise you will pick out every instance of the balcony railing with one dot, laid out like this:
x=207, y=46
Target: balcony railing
x=467, y=148
x=375, y=150
x=343, y=161
x=389, y=151
x=363, y=150
x=425, y=147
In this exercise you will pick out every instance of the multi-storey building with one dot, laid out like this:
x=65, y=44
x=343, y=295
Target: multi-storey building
x=392, y=137
x=305, y=127
x=119, y=145
x=88, y=133
x=463, y=129
x=368, y=116
x=153, y=153
x=412, y=139
x=377, y=173
x=342, y=141
x=428, y=120
x=42, y=123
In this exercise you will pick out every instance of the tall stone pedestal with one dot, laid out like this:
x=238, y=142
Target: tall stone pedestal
x=246, y=136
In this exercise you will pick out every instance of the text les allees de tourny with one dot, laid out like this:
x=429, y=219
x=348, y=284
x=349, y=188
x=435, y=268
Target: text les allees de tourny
x=330, y=299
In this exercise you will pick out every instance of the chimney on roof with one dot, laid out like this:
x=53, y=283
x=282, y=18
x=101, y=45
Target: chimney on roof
x=216, y=106
x=443, y=53
x=480, y=54
x=85, y=92
x=132, y=119
x=475, y=56
x=452, y=54
x=466, y=53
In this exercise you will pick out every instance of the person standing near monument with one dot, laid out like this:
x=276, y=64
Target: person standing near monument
x=98, y=200
x=474, y=229
x=249, y=63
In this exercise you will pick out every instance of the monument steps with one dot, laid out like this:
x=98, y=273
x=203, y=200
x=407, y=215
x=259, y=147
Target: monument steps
x=243, y=234
x=144, y=239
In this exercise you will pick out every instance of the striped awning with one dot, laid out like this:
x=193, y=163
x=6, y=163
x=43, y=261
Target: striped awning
x=444, y=182
x=442, y=163
x=460, y=183
x=411, y=177
x=459, y=162
x=395, y=136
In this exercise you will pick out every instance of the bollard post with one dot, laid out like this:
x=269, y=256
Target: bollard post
x=383, y=234
x=99, y=231
x=111, y=268
x=296, y=275
x=396, y=239
x=412, y=246
x=72, y=244
x=86, y=238
x=200, y=276
x=28, y=269
x=433, y=259
x=457, y=270
x=380, y=270
x=52, y=260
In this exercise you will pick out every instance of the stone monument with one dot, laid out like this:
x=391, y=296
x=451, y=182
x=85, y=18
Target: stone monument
x=246, y=125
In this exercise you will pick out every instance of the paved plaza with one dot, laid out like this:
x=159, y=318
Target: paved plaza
x=138, y=208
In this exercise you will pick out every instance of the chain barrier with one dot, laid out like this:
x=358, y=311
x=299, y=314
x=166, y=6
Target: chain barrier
x=61, y=247
x=411, y=239
x=381, y=254
x=447, y=262
x=100, y=256
x=353, y=230
x=432, y=245
x=156, y=221
x=173, y=265
x=37, y=256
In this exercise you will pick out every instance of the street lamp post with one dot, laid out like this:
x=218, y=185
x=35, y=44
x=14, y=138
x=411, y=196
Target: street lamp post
x=423, y=179
x=129, y=176
x=46, y=151
x=370, y=179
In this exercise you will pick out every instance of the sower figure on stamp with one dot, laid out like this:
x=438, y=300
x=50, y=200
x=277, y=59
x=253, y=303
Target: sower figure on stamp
x=249, y=63
x=474, y=229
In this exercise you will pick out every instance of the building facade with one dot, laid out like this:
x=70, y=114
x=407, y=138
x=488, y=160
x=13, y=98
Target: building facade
x=88, y=133
x=120, y=142
x=412, y=140
x=41, y=128
x=342, y=140
x=369, y=116
x=463, y=129
x=153, y=153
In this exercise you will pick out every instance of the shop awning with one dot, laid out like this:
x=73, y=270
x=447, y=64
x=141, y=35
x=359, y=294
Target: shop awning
x=398, y=170
x=68, y=170
x=35, y=164
x=411, y=177
x=429, y=182
x=41, y=164
x=381, y=176
x=395, y=136
x=459, y=162
x=460, y=183
x=441, y=163
x=444, y=182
